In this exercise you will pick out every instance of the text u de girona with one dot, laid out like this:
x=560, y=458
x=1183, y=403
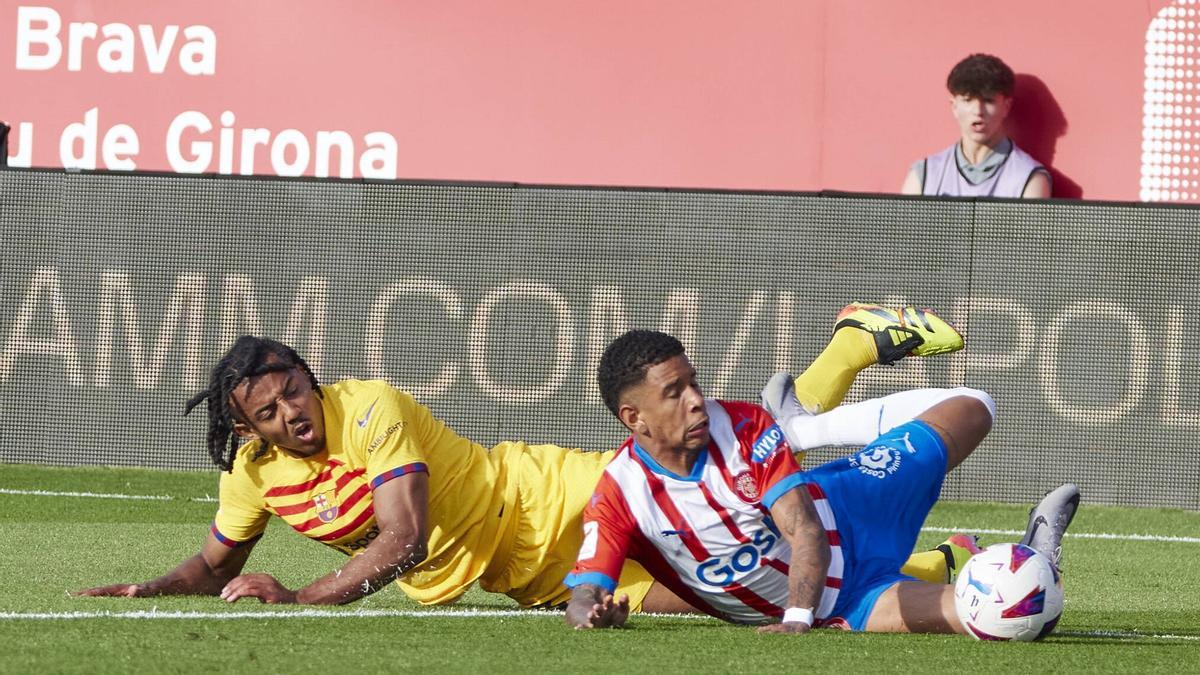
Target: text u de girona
x=195, y=142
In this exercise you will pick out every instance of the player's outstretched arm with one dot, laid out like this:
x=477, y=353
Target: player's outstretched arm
x=400, y=506
x=593, y=607
x=205, y=573
x=797, y=519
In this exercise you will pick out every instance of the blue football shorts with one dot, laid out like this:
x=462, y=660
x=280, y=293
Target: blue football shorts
x=880, y=497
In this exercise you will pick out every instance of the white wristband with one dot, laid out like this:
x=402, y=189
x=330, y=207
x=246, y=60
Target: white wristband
x=802, y=615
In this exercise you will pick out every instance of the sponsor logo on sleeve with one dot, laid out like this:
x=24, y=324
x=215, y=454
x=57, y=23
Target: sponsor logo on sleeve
x=767, y=443
x=384, y=436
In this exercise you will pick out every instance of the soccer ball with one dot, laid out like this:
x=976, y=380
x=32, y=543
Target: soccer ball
x=1009, y=592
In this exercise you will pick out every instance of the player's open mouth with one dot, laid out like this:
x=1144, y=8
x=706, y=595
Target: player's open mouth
x=698, y=429
x=304, y=432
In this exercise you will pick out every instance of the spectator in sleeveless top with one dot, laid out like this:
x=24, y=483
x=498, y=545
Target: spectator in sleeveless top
x=984, y=162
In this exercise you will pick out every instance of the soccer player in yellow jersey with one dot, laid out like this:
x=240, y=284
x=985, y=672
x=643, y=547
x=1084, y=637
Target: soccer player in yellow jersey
x=366, y=469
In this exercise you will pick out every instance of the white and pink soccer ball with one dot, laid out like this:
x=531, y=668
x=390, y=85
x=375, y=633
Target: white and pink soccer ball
x=1009, y=592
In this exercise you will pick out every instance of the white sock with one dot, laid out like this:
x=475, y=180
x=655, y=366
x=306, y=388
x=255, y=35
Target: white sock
x=860, y=423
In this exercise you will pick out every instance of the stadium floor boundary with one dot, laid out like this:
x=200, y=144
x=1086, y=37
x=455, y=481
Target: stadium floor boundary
x=1112, y=536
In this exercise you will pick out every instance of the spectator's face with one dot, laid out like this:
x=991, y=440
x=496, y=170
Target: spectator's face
x=981, y=119
x=666, y=410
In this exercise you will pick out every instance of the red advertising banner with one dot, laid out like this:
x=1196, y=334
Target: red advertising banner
x=800, y=95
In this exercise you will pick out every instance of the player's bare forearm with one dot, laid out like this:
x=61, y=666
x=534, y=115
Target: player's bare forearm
x=797, y=519
x=390, y=556
x=205, y=573
x=193, y=576
x=806, y=572
x=400, y=510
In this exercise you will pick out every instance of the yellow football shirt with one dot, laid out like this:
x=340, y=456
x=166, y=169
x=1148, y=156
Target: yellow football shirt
x=509, y=517
x=375, y=433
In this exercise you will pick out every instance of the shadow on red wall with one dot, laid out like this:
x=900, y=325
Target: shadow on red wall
x=1035, y=124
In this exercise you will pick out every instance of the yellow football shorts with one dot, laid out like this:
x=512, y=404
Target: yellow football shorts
x=554, y=485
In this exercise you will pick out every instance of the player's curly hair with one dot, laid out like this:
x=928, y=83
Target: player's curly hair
x=981, y=75
x=248, y=357
x=627, y=359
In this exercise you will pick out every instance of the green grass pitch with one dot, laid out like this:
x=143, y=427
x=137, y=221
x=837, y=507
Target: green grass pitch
x=1131, y=605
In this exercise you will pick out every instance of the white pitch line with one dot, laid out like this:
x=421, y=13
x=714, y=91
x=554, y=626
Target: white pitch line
x=282, y=614
x=1122, y=634
x=1077, y=535
x=312, y=613
x=1070, y=535
x=104, y=495
x=154, y=614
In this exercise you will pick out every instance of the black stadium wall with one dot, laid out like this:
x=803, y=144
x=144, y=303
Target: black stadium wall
x=492, y=303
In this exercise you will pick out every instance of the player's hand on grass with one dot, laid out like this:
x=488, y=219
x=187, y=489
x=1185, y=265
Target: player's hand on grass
x=798, y=627
x=114, y=591
x=608, y=613
x=261, y=586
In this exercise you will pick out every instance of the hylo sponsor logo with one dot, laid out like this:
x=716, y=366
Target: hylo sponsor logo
x=767, y=443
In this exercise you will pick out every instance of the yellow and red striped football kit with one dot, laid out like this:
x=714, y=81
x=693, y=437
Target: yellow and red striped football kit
x=510, y=517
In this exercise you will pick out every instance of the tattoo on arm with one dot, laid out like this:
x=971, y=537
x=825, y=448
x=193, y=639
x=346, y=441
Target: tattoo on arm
x=798, y=520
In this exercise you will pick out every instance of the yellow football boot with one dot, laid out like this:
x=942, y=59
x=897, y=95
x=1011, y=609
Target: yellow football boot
x=908, y=331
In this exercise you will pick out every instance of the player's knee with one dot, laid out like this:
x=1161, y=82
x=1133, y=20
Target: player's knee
x=985, y=405
x=963, y=420
x=974, y=411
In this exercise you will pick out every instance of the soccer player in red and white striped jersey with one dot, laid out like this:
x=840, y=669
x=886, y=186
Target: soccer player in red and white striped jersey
x=707, y=496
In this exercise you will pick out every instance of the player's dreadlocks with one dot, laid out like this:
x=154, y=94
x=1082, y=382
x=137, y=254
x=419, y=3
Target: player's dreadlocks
x=248, y=357
x=627, y=359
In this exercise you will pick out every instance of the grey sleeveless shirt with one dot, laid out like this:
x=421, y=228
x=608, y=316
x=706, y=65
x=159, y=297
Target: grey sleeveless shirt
x=942, y=174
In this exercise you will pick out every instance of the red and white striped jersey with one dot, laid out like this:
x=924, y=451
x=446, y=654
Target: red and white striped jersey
x=707, y=536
